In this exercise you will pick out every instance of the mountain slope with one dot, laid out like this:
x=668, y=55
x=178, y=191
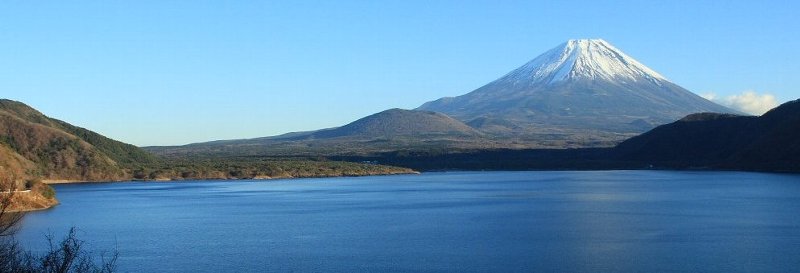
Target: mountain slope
x=400, y=123
x=34, y=145
x=580, y=87
x=768, y=142
x=390, y=130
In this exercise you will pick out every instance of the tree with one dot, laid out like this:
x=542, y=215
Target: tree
x=9, y=220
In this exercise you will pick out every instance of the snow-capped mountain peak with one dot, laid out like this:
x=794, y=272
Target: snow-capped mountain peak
x=583, y=59
x=581, y=87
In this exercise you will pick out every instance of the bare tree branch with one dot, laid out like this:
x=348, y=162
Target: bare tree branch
x=9, y=220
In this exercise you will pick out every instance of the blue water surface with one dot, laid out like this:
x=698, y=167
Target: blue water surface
x=603, y=221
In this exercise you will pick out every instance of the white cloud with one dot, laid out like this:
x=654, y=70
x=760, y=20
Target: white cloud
x=709, y=96
x=749, y=101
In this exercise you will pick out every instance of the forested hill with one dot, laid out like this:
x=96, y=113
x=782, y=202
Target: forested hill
x=770, y=142
x=395, y=123
x=33, y=145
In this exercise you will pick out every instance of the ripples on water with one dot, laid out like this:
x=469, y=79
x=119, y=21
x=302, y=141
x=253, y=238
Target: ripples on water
x=611, y=221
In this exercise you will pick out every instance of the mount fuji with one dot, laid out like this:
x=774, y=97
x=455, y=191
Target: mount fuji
x=583, y=93
x=583, y=90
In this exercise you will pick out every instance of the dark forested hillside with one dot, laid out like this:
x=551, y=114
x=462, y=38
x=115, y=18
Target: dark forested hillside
x=769, y=142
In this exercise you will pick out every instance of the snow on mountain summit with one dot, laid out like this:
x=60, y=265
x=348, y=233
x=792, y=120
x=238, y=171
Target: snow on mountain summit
x=583, y=59
x=584, y=88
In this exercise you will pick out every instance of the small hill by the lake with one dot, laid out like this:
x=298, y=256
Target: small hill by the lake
x=770, y=142
x=395, y=123
x=389, y=130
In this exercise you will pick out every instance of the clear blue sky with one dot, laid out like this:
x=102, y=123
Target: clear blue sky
x=175, y=72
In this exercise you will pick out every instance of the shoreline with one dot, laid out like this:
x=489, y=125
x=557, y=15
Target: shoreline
x=62, y=181
x=34, y=209
x=157, y=180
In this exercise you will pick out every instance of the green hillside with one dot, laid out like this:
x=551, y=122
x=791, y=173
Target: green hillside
x=36, y=146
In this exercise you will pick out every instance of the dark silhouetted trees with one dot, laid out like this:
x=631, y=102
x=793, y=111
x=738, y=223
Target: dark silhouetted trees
x=65, y=255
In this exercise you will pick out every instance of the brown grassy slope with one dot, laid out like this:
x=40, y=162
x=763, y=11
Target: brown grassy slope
x=126, y=155
x=14, y=162
x=36, y=146
x=397, y=122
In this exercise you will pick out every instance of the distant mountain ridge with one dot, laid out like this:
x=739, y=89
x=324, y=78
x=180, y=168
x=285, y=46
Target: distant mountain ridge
x=393, y=129
x=579, y=87
x=34, y=145
x=399, y=123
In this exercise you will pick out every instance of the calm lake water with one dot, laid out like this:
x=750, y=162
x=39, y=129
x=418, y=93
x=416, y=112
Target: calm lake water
x=609, y=221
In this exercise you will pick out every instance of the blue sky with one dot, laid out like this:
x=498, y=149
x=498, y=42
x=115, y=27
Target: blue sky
x=176, y=72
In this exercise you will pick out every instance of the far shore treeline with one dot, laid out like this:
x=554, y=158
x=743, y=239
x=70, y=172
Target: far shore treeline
x=35, y=148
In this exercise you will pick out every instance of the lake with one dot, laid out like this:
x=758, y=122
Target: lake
x=598, y=221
